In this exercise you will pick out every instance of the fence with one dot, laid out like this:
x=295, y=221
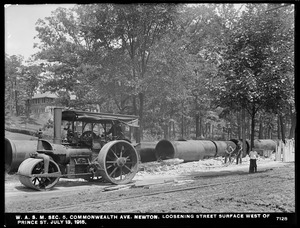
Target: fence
x=285, y=151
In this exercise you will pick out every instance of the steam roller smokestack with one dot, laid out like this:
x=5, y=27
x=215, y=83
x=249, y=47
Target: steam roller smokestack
x=57, y=125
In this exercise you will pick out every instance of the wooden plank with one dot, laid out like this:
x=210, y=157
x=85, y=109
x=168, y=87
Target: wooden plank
x=117, y=187
x=153, y=182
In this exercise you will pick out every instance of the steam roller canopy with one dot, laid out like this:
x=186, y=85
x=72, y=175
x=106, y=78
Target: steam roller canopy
x=30, y=172
x=119, y=162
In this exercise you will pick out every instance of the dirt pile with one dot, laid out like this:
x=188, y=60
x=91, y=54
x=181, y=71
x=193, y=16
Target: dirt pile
x=176, y=167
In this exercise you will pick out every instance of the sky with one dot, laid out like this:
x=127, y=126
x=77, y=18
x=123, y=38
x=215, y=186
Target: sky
x=20, y=26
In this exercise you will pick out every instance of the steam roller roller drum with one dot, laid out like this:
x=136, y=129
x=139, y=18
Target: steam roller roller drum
x=119, y=162
x=34, y=166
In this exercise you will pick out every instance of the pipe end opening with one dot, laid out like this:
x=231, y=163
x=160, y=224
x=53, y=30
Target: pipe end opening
x=8, y=154
x=164, y=150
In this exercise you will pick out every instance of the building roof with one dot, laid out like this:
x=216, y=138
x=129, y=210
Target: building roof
x=43, y=95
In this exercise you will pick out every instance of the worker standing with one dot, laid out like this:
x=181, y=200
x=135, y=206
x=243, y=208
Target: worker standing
x=228, y=151
x=253, y=157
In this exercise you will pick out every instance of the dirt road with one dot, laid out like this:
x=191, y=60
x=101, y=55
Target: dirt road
x=198, y=187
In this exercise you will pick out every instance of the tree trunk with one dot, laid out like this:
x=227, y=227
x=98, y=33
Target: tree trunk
x=136, y=130
x=166, y=132
x=27, y=108
x=186, y=129
x=12, y=99
x=141, y=110
x=252, y=127
x=228, y=132
x=200, y=126
x=244, y=131
x=239, y=128
x=174, y=131
x=248, y=127
x=293, y=125
x=260, y=132
x=270, y=132
x=16, y=100
x=197, y=118
x=223, y=134
x=278, y=127
x=182, y=126
x=231, y=127
x=169, y=130
x=282, y=126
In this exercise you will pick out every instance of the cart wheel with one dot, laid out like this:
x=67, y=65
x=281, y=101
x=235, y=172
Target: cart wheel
x=119, y=162
x=32, y=166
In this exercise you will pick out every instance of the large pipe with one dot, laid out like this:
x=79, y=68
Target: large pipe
x=222, y=147
x=261, y=144
x=193, y=150
x=146, y=151
x=147, y=154
x=190, y=150
x=210, y=148
x=16, y=151
x=264, y=144
x=57, y=125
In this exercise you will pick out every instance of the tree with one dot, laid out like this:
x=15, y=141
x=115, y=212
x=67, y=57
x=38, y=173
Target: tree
x=13, y=68
x=252, y=80
x=193, y=35
x=166, y=63
x=96, y=44
x=30, y=81
x=168, y=72
x=139, y=27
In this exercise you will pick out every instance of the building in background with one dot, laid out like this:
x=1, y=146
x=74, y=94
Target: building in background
x=42, y=103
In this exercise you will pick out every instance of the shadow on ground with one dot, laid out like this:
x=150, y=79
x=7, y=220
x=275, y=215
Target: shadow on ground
x=67, y=183
x=212, y=174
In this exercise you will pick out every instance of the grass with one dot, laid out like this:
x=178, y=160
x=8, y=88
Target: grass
x=29, y=123
x=25, y=122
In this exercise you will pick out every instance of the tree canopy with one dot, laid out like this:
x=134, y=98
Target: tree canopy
x=194, y=65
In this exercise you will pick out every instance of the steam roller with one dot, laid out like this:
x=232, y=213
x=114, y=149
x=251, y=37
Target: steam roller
x=41, y=164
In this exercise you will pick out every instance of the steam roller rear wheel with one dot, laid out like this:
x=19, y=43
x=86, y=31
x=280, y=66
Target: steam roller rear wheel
x=119, y=162
x=32, y=166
